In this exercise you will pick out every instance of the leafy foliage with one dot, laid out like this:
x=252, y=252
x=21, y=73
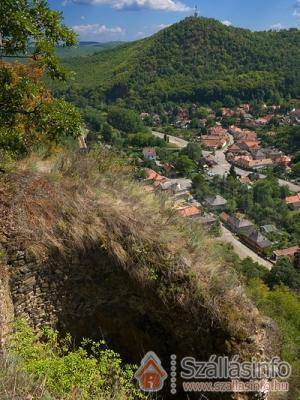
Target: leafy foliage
x=284, y=273
x=28, y=113
x=89, y=372
x=29, y=25
x=125, y=120
x=283, y=306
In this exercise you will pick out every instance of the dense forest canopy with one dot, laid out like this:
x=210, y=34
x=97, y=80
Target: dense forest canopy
x=197, y=59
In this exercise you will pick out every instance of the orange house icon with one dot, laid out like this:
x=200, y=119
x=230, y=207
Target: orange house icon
x=151, y=375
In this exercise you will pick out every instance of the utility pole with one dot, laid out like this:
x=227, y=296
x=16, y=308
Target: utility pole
x=196, y=11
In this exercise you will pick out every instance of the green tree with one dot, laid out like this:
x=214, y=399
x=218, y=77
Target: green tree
x=193, y=151
x=184, y=165
x=296, y=170
x=29, y=114
x=107, y=132
x=284, y=273
x=229, y=101
x=30, y=28
x=124, y=119
x=200, y=186
x=202, y=112
x=231, y=205
x=251, y=270
x=232, y=172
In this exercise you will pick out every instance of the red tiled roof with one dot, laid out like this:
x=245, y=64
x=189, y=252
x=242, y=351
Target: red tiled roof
x=246, y=180
x=213, y=142
x=234, y=147
x=249, y=143
x=292, y=199
x=224, y=217
x=287, y=252
x=154, y=176
x=189, y=211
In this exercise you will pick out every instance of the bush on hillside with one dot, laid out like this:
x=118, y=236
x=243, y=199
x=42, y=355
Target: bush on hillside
x=89, y=372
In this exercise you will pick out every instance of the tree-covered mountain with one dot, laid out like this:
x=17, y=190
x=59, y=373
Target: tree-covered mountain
x=85, y=49
x=197, y=59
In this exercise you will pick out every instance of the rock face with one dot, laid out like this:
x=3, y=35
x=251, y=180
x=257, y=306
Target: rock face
x=6, y=306
x=89, y=295
x=108, y=282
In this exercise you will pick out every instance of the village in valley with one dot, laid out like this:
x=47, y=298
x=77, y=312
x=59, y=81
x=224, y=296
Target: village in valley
x=232, y=155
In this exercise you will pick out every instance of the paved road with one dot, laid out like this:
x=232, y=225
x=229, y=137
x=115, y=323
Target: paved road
x=220, y=169
x=181, y=143
x=223, y=166
x=242, y=250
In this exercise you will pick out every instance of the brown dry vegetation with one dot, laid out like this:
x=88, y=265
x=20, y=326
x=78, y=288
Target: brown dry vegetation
x=17, y=385
x=91, y=199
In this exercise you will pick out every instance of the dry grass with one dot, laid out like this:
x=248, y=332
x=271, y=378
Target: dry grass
x=91, y=200
x=17, y=385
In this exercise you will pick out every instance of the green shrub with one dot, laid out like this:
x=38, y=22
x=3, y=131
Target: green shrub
x=283, y=306
x=91, y=371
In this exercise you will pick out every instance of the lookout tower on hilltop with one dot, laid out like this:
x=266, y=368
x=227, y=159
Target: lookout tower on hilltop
x=196, y=11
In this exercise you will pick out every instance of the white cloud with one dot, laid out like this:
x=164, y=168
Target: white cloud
x=296, y=12
x=161, y=5
x=277, y=27
x=97, y=31
x=82, y=17
x=227, y=23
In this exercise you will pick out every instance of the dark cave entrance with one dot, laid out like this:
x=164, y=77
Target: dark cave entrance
x=103, y=302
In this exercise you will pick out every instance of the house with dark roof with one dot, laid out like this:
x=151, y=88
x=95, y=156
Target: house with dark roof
x=237, y=224
x=206, y=220
x=216, y=203
x=255, y=240
x=258, y=154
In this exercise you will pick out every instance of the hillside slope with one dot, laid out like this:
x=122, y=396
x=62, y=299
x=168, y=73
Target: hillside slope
x=90, y=253
x=85, y=49
x=197, y=59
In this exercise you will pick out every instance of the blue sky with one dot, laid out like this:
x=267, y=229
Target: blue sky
x=106, y=20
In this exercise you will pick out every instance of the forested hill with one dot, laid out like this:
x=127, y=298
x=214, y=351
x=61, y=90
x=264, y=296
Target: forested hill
x=197, y=59
x=85, y=49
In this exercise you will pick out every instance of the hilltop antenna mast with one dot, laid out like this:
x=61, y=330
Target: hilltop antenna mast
x=196, y=11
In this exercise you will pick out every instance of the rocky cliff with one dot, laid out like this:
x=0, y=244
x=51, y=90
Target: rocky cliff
x=91, y=254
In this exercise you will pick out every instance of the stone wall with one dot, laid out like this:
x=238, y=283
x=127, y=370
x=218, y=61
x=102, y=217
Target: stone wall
x=89, y=295
x=6, y=306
